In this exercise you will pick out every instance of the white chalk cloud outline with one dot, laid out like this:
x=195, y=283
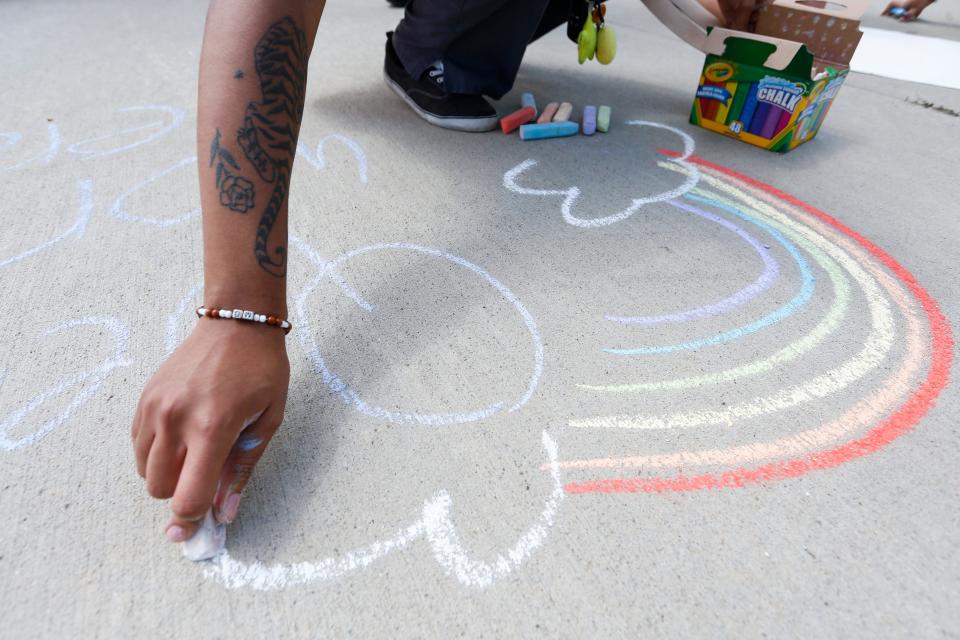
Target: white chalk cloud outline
x=435, y=526
x=77, y=229
x=571, y=194
x=175, y=120
x=318, y=160
x=119, y=211
x=45, y=157
x=91, y=379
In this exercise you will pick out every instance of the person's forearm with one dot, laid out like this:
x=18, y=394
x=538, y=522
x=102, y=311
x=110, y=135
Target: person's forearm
x=253, y=73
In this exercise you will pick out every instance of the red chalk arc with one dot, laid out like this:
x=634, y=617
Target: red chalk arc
x=898, y=421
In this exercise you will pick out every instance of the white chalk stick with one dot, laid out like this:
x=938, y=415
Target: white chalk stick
x=564, y=111
x=208, y=542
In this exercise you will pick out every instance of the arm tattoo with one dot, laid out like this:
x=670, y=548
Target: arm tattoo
x=269, y=133
x=236, y=192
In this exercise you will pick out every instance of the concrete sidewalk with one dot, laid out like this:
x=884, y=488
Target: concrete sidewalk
x=727, y=413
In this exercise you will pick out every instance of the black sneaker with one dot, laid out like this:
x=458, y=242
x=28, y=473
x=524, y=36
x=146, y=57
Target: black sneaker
x=426, y=96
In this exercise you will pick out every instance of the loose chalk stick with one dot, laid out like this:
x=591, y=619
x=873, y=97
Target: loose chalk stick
x=603, y=118
x=589, y=120
x=548, y=112
x=208, y=542
x=527, y=100
x=517, y=118
x=564, y=112
x=548, y=130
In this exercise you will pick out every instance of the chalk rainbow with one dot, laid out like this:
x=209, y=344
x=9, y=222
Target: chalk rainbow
x=899, y=311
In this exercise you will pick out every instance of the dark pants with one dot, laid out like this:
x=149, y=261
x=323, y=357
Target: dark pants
x=481, y=42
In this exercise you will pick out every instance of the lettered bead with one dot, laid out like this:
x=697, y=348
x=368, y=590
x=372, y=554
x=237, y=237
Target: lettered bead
x=248, y=315
x=237, y=314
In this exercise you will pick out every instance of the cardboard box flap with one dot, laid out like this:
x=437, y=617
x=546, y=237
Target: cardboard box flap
x=845, y=9
x=687, y=19
x=831, y=38
x=778, y=54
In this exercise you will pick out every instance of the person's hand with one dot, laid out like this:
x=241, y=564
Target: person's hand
x=912, y=9
x=736, y=13
x=186, y=426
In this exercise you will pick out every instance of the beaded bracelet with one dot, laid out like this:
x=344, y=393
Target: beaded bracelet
x=249, y=316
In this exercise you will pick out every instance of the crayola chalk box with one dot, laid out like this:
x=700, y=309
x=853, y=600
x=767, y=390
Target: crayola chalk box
x=771, y=92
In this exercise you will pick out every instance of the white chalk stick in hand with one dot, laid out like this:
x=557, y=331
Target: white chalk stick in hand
x=208, y=542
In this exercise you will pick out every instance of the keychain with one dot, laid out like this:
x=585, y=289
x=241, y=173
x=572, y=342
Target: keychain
x=596, y=38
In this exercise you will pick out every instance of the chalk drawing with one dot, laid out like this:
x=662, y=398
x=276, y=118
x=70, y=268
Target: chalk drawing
x=350, y=396
x=191, y=299
x=89, y=381
x=118, y=211
x=887, y=410
x=10, y=140
x=571, y=194
x=802, y=297
x=175, y=119
x=318, y=159
x=875, y=349
x=829, y=323
x=84, y=209
x=434, y=526
x=771, y=271
x=43, y=158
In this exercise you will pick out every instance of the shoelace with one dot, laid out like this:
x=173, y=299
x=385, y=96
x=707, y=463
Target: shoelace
x=436, y=72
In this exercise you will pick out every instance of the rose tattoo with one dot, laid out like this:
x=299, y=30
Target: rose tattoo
x=236, y=192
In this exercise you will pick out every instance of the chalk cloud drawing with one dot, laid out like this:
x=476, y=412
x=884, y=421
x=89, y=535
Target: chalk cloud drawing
x=119, y=212
x=86, y=150
x=434, y=526
x=318, y=160
x=351, y=396
x=89, y=379
x=45, y=157
x=571, y=194
x=76, y=230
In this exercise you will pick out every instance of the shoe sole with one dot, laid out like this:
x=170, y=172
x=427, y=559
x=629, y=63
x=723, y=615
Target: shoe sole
x=455, y=123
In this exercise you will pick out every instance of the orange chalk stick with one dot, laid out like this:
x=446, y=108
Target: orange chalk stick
x=514, y=120
x=548, y=112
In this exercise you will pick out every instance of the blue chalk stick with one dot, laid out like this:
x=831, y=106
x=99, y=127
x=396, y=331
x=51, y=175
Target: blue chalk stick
x=548, y=130
x=898, y=12
x=527, y=100
x=589, y=120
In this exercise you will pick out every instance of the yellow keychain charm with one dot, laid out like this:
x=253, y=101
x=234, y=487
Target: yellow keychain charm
x=596, y=38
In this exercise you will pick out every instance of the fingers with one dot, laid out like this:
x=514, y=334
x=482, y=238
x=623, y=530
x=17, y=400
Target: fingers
x=163, y=466
x=244, y=456
x=911, y=15
x=197, y=484
x=141, y=449
x=886, y=11
x=135, y=427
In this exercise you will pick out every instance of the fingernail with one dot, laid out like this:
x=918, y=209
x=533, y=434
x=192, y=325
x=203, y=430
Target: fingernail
x=176, y=533
x=230, y=507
